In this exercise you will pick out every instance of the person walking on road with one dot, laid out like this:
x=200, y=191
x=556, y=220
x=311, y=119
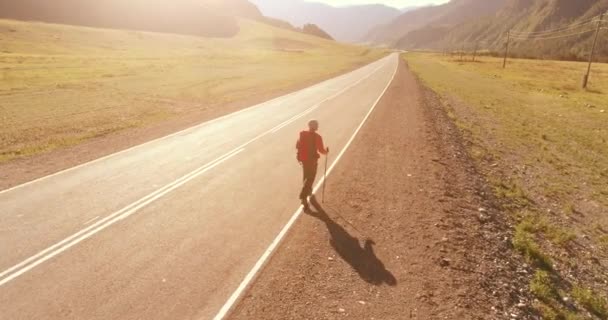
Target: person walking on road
x=309, y=145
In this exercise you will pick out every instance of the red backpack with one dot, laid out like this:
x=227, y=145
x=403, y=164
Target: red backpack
x=306, y=146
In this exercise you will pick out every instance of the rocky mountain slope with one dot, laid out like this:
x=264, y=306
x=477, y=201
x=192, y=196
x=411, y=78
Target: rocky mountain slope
x=560, y=29
x=207, y=18
x=348, y=24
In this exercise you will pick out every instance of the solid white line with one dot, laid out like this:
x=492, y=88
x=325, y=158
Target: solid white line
x=227, y=307
x=91, y=220
x=282, y=124
x=290, y=121
x=85, y=233
x=185, y=130
x=70, y=238
x=118, y=218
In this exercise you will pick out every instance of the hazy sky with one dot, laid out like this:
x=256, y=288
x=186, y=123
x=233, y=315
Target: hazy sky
x=393, y=3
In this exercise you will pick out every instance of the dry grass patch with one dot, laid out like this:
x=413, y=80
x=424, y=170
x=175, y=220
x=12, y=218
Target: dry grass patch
x=542, y=142
x=62, y=85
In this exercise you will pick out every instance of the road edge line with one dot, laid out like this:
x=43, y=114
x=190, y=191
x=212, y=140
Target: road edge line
x=263, y=260
x=8, y=274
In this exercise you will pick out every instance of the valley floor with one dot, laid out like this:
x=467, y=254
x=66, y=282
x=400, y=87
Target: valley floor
x=541, y=142
x=72, y=94
x=408, y=230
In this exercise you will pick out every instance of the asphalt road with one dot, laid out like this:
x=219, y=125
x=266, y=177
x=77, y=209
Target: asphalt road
x=171, y=228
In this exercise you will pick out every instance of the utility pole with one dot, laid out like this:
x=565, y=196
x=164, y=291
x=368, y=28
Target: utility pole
x=475, y=51
x=462, y=53
x=504, y=63
x=597, y=32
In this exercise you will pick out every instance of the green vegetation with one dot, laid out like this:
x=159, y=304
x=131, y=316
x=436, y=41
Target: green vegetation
x=524, y=242
x=542, y=142
x=549, y=313
x=542, y=286
x=62, y=85
x=536, y=113
x=550, y=305
x=604, y=242
x=591, y=301
x=512, y=192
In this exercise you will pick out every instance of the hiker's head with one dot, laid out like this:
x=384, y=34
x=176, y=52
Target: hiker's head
x=313, y=125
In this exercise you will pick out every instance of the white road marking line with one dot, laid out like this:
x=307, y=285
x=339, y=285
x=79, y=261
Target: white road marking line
x=91, y=220
x=183, y=131
x=288, y=122
x=264, y=258
x=282, y=124
x=83, y=234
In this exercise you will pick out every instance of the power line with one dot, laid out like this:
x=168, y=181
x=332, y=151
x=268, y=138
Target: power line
x=597, y=33
x=570, y=29
x=551, y=37
x=550, y=33
x=553, y=34
x=577, y=25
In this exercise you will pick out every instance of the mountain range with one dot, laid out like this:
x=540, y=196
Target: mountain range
x=207, y=18
x=456, y=25
x=449, y=14
x=459, y=24
x=561, y=29
x=349, y=24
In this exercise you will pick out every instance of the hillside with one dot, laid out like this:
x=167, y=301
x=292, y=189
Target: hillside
x=467, y=24
x=181, y=16
x=449, y=14
x=205, y=18
x=528, y=19
x=348, y=24
x=239, y=8
x=63, y=86
x=314, y=30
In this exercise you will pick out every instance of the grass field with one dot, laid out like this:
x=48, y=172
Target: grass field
x=62, y=85
x=542, y=142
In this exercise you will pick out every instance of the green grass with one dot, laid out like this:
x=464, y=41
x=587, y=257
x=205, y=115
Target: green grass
x=62, y=85
x=557, y=313
x=542, y=286
x=603, y=240
x=535, y=110
x=524, y=242
x=542, y=142
x=512, y=193
x=550, y=305
x=592, y=301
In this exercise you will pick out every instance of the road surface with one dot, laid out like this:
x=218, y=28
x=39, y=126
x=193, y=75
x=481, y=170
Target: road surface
x=174, y=228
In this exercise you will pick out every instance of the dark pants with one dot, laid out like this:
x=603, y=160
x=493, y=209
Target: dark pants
x=310, y=173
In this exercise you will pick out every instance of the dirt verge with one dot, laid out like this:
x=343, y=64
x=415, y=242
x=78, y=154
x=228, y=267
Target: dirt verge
x=408, y=230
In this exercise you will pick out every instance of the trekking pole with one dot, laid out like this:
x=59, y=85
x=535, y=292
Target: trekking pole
x=325, y=178
x=337, y=214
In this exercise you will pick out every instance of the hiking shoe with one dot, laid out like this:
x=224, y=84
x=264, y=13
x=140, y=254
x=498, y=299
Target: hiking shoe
x=306, y=206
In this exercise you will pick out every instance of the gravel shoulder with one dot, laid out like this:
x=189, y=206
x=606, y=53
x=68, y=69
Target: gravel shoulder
x=408, y=230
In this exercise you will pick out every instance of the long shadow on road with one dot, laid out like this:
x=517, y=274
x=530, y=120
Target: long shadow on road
x=362, y=259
